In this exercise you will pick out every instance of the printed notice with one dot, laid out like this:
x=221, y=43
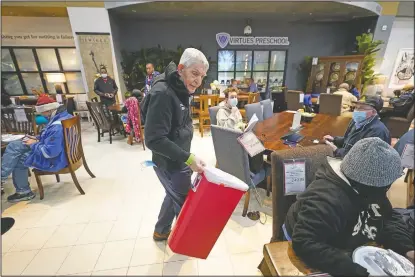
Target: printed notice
x=294, y=177
x=251, y=143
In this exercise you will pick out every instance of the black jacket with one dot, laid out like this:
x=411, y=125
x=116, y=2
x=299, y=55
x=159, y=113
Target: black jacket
x=168, y=124
x=101, y=87
x=373, y=128
x=329, y=220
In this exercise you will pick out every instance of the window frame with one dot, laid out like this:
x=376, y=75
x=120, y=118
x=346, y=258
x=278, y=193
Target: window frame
x=42, y=73
x=252, y=71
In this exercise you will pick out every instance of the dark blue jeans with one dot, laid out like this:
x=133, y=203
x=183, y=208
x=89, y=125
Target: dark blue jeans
x=13, y=162
x=177, y=185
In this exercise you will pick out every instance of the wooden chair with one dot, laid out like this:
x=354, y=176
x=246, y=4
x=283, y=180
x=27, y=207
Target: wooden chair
x=331, y=104
x=315, y=156
x=10, y=123
x=74, y=154
x=102, y=119
x=205, y=102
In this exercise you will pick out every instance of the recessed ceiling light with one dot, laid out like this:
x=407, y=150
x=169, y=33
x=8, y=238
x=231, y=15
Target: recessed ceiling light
x=311, y=13
x=134, y=11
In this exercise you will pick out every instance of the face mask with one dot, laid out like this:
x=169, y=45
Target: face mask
x=359, y=116
x=233, y=102
x=234, y=86
x=40, y=120
x=104, y=75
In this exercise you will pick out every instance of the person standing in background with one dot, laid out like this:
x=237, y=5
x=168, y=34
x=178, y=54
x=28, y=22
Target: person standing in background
x=151, y=74
x=106, y=88
x=347, y=97
x=169, y=133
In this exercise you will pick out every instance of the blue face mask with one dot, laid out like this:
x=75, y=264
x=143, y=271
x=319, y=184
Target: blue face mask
x=233, y=102
x=359, y=116
x=40, y=120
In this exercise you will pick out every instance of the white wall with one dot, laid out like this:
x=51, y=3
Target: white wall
x=402, y=36
x=36, y=31
x=92, y=20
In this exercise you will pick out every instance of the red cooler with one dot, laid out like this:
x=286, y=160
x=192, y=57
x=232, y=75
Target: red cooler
x=207, y=209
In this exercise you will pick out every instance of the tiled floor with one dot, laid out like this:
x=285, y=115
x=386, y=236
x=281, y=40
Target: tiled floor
x=108, y=231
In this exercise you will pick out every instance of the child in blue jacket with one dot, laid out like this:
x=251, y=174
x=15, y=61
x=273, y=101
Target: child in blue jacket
x=45, y=152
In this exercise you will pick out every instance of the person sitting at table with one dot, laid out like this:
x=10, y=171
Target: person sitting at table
x=354, y=91
x=234, y=83
x=229, y=115
x=45, y=152
x=347, y=97
x=252, y=87
x=106, y=88
x=347, y=207
x=402, y=103
x=366, y=123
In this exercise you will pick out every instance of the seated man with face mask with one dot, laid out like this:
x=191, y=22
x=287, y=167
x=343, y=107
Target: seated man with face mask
x=45, y=152
x=229, y=115
x=365, y=124
x=347, y=207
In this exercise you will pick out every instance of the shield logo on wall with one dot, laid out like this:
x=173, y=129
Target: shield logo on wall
x=222, y=39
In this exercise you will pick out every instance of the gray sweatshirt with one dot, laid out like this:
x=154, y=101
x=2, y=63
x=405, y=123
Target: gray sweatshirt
x=228, y=118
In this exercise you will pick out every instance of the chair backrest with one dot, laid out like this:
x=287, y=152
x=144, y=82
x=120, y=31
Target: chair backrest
x=314, y=156
x=73, y=141
x=213, y=111
x=94, y=99
x=208, y=100
x=330, y=104
x=293, y=100
x=231, y=157
x=253, y=97
x=267, y=108
x=252, y=109
x=14, y=121
x=410, y=116
x=96, y=109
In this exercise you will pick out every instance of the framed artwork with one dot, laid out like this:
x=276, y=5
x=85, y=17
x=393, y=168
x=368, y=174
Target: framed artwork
x=403, y=71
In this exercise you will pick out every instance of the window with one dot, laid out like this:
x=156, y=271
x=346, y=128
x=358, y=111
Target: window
x=267, y=68
x=25, y=69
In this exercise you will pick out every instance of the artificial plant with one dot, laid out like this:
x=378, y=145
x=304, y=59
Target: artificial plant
x=368, y=47
x=134, y=63
x=304, y=69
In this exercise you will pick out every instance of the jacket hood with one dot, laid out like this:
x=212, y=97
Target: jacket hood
x=172, y=78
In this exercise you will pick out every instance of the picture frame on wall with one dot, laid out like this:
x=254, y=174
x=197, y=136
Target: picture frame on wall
x=403, y=70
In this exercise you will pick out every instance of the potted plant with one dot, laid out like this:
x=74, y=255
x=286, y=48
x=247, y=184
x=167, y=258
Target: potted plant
x=368, y=47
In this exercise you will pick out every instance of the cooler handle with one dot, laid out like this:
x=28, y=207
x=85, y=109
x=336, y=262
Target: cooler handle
x=196, y=182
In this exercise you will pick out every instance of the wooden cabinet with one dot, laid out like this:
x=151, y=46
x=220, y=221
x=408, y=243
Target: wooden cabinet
x=330, y=72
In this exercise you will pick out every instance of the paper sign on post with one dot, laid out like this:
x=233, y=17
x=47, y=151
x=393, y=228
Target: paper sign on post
x=251, y=143
x=20, y=115
x=301, y=97
x=315, y=61
x=294, y=176
x=407, y=156
x=296, y=121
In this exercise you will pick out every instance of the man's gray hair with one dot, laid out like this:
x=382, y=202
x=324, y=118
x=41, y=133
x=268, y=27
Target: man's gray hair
x=192, y=56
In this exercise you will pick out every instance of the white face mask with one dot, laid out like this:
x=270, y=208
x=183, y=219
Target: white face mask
x=104, y=75
x=233, y=102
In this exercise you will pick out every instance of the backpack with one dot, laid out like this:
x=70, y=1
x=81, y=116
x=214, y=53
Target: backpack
x=146, y=101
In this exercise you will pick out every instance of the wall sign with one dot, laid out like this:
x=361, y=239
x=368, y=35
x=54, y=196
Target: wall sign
x=37, y=39
x=223, y=39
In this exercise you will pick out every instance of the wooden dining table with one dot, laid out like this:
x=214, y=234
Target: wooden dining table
x=272, y=129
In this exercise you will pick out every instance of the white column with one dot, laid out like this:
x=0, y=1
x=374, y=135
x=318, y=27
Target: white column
x=92, y=20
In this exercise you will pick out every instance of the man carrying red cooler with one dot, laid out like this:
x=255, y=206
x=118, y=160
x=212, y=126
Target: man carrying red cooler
x=169, y=132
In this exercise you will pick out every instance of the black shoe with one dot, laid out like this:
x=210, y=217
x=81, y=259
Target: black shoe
x=20, y=197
